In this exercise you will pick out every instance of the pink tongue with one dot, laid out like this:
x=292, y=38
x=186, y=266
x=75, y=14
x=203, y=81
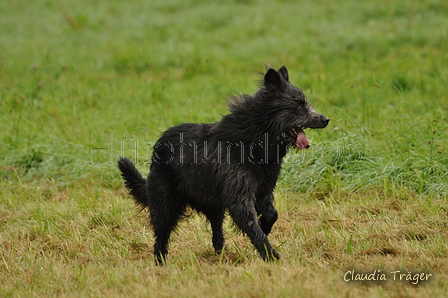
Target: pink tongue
x=301, y=141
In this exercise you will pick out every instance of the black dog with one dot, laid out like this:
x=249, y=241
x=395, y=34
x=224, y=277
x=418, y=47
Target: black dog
x=229, y=165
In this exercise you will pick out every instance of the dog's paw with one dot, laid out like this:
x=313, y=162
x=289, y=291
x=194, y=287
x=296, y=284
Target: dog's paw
x=271, y=256
x=160, y=259
x=274, y=255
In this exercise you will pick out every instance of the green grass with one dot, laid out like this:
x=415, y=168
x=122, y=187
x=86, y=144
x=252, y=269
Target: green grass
x=83, y=82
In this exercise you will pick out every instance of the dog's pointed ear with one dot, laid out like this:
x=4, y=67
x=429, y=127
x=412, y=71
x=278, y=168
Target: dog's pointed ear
x=273, y=81
x=283, y=71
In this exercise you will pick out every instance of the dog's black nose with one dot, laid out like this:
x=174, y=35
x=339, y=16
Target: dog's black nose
x=325, y=120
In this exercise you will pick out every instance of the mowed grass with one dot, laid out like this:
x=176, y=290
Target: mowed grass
x=83, y=82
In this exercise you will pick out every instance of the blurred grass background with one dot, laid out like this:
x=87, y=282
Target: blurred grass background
x=77, y=76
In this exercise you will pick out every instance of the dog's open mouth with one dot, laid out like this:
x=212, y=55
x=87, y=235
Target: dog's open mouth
x=300, y=138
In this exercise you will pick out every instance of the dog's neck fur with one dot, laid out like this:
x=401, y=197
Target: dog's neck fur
x=245, y=125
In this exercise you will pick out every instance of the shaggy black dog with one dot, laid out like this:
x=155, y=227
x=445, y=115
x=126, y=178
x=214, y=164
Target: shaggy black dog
x=229, y=165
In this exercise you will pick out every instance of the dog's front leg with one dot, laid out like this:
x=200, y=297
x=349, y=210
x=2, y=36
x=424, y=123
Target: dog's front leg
x=268, y=214
x=216, y=217
x=245, y=217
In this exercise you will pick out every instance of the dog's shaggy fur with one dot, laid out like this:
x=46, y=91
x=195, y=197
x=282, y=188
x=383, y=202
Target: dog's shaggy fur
x=232, y=165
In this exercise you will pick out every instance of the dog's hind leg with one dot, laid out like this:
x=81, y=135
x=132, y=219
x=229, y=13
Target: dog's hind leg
x=245, y=217
x=164, y=219
x=216, y=218
x=268, y=214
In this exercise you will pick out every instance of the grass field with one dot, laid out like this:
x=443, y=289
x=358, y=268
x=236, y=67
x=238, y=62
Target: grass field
x=82, y=82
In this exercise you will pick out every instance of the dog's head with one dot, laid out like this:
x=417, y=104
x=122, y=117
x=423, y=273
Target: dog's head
x=293, y=113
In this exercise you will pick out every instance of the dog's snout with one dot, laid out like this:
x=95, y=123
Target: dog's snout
x=318, y=121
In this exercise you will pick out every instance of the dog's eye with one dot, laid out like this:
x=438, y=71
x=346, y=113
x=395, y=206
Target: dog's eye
x=299, y=107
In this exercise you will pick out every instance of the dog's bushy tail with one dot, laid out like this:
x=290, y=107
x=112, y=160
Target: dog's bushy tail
x=134, y=181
